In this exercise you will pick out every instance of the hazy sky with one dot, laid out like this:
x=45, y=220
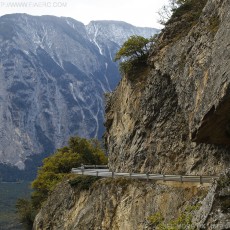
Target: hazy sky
x=136, y=12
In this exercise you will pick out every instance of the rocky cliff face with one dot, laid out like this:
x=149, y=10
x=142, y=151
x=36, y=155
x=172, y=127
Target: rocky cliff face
x=175, y=118
x=113, y=204
x=53, y=76
x=170, y=118
x=121, y=204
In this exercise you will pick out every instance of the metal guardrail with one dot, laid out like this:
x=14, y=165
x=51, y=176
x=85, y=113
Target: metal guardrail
x=104, y=172
x=94, y=166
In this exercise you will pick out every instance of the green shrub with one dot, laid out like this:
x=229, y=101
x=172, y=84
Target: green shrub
x=132, y=68
x=156, y=219
x=183, y=221
x=26, y=213
x=135, y=53
x=58, y=167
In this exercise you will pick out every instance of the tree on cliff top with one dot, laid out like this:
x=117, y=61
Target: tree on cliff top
x=134, y=47
x=133, y=52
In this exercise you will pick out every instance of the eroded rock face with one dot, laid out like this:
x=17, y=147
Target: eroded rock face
x=214, y=212
x=176, y=118
x=115, y=204
x=173, y=118
x=118, y=204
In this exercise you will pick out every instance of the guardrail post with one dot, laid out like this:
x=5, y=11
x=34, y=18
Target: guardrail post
x=147, y=175
x=97, y=173
x=201, y=181
x=130, y=175
x=163, y=177
x=82, y=169
x=181, y=179
x=112, y=174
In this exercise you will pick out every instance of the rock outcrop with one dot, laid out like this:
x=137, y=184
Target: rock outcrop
x=175, y=118
x=113, y=204
x=172, y=118
x=121, y=204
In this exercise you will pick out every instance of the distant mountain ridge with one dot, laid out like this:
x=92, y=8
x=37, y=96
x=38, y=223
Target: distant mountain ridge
x=54, y=72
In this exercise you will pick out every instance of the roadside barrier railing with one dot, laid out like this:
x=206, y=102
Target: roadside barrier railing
x=103, y=171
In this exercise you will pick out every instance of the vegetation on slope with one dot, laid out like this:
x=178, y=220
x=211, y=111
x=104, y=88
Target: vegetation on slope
x=56, y=168
x=134, y=53
x=179, y=17
x=183, y=18
x=183, y=221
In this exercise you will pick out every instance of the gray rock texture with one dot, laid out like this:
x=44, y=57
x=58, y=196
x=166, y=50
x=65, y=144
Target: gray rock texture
x=122, y=204
x=115, y=204
x=214, y=212
x=175, y=117
x=172, y=118
x=53, y=76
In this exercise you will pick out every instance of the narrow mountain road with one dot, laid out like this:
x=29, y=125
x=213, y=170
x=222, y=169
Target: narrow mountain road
x=103, y=171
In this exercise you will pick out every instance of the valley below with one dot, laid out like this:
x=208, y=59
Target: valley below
x=9, y=194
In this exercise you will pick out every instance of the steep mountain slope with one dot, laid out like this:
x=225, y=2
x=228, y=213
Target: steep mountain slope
x=175, y=118
x=107, y=35
x=54, y=72
x=172, y=118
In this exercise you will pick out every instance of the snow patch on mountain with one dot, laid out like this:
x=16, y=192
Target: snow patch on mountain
x=53, y=76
